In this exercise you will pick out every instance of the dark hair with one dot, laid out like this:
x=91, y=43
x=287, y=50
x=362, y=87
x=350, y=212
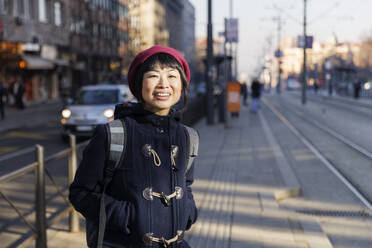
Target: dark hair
x=162, y=59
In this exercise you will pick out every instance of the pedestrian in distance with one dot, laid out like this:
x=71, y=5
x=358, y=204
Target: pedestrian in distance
x=256, y=93
x=11, y=91
x=148, y=201
x=2, y=103
x=244, y=92
x=357, y=86
x=19, y=92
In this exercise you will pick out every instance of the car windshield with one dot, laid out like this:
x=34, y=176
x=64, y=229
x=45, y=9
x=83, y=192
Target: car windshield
x=93, y=97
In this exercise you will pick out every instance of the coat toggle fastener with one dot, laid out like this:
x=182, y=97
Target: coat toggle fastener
x=149, y=194
x=148, y=238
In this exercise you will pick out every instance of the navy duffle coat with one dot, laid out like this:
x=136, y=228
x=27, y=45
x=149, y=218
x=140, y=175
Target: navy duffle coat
x=129, y=215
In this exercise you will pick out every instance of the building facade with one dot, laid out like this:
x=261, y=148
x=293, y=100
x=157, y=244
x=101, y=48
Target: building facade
x=147, y=25
x=347, y=53
x=56, y=46
x=98, y=40
x=33, y=32
x=163, y=22
x=188, y=40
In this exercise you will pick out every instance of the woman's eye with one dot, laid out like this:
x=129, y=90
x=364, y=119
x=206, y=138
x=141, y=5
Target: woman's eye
x=152, y=76
x=172, y=76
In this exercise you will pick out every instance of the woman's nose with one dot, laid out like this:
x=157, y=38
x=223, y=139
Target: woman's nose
x=163, y=82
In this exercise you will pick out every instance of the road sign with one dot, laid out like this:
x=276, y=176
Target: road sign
x=278, y=53
x=231, y=30
x=301, y=43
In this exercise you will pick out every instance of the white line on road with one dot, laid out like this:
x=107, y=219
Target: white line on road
x=16, y=153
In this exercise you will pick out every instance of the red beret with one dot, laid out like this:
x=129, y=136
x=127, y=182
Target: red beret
x=144, y=55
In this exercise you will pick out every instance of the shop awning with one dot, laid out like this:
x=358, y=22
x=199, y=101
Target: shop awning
x=37, y=63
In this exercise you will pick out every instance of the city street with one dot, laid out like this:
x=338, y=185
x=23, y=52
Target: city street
x=288, y=176
x=280, y=93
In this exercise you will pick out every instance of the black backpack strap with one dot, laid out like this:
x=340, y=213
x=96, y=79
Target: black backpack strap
x=116, y=142
x=192, y=146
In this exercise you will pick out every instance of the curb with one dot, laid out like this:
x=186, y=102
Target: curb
x=293, y=187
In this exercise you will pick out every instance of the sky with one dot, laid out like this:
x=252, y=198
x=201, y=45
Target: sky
x=350, y=20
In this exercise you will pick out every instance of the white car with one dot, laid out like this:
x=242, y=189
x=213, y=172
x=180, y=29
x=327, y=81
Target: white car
x=93, y=105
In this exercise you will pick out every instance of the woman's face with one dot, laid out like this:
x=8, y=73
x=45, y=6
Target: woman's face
x=161, y=89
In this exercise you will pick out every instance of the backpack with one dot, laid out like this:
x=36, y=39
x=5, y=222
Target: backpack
x=117, y=141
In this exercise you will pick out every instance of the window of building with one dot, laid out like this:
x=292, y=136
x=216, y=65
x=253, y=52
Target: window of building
x=4, y=6
x=28, y=8
x=19, y=8
x=95, y=30
x=57, y=14
x=50, y=11
x=42, y=11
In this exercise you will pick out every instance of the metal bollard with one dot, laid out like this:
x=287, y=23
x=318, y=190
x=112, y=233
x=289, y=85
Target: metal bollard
x=72, y=167
x=41, y=237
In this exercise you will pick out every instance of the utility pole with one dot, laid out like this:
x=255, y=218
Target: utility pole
x=304, y=83
x=208, y=73
x=279, y=29
x=231, y=45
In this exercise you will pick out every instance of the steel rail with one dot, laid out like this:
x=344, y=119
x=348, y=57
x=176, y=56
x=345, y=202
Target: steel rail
x=335, y=134
x=321, y=157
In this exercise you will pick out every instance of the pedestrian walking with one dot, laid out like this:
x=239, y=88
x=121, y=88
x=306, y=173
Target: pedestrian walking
x=19, y=92
x=244, y=92
x=256, y=93
x=11, y=91
x=148, y=202
x=357, y=86
x=2, y=103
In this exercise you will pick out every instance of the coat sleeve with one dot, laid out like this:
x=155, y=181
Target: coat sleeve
x=85, y=190
x=193, y=214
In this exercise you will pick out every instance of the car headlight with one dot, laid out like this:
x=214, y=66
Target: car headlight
x=367, y=86
x=108, y=113
x=66, y=113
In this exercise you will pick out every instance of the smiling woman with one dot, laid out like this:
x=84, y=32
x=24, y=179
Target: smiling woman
x=148, y=200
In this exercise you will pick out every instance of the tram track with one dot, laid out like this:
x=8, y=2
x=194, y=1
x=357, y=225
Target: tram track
x=333, y=133
x=363, y=109
x=359, y=188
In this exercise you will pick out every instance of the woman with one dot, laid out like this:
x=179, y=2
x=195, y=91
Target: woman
x=154, y=162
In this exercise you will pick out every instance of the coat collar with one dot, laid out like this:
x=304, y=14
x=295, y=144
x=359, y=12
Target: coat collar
x=137, y=111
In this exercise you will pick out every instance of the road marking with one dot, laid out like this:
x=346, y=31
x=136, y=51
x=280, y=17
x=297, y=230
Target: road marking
x=19, y=134
x=17, y=153
x=7, y=149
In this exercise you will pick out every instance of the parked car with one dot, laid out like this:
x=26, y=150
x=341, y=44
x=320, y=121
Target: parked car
x=292, y=84
x=93, y=105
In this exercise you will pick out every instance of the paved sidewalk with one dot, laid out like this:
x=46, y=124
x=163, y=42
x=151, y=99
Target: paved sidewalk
x=31, y=115
x=238, y=173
